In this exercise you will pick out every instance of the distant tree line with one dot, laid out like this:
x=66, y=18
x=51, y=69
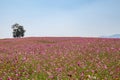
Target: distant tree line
x=18, y=30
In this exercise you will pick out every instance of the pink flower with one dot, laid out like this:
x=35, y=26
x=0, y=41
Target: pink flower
x=9, y=78
x=59, y=69
x=24, y=58
x=82, y=74
x=17, y=74
x=93, y=71
x=105, y=67
x=51, y=77
x=78, y=63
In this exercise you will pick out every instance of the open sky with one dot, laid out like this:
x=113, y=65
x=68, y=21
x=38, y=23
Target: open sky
x=89, y=18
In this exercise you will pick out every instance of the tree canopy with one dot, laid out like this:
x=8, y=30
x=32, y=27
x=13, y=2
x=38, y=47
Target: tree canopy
x=18, y=30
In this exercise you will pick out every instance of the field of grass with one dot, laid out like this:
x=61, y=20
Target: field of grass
x=60, y=58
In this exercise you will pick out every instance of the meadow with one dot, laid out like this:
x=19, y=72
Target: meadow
x=59, y=58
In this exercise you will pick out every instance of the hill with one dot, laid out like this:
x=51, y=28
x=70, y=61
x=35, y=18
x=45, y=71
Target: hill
x=112, y=36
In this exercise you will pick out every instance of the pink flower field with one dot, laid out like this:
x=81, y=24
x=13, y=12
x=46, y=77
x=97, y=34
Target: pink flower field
x=60, y=58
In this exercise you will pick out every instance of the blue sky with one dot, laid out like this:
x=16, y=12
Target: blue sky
x=89, y=18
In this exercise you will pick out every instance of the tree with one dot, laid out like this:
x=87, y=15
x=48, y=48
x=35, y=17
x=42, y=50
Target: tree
x=18, y=30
